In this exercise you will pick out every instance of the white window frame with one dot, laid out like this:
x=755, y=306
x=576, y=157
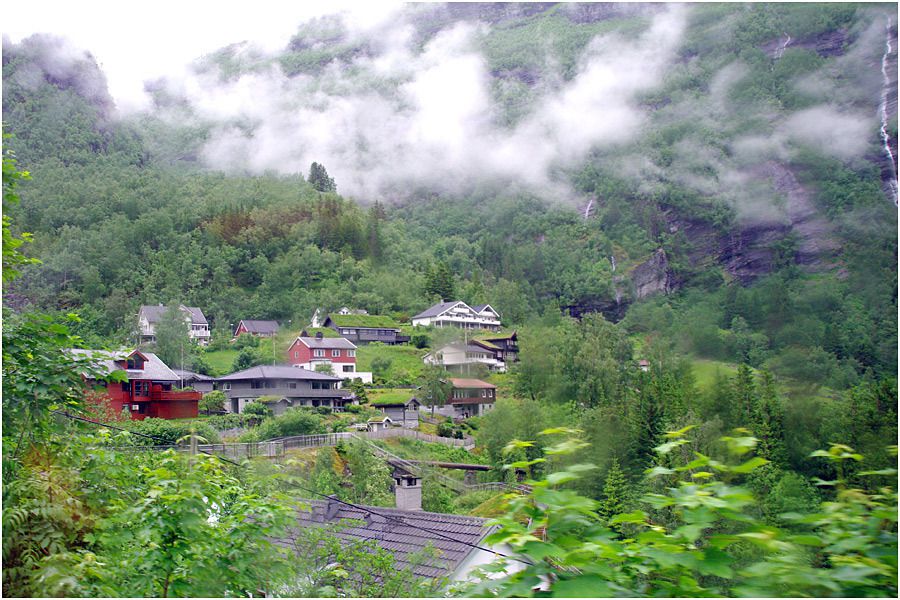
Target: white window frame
x=351, y=353
x=335, y=354
x=318, y=353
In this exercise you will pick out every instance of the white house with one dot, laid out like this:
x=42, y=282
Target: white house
x=459, y=314
x=150, y=316
x=459, y=356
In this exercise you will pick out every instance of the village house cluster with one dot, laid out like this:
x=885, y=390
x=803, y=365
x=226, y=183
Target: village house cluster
x=316, y=366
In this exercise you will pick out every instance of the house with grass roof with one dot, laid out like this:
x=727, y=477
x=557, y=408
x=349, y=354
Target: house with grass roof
x=401, y=406
x=363, y=329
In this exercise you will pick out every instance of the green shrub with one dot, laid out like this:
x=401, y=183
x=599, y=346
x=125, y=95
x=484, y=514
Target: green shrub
x=420, y=340
x=295, y=421
x=245, y=340
x=165, y=431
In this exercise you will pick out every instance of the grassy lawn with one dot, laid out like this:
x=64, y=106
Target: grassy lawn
x=706, y=372
x=406, y=361
x=220, y=361
x=389, y=396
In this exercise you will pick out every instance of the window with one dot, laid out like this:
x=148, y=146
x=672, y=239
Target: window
x=296, y=354
x=255, y=384
x=226, y=387
x=335, y=353
x=348, y=368
x=351, y=353
x=319, y=353
x=292, y=385
x=484, y=393
x=345, y=331
x=126, y=386
x=141, y=388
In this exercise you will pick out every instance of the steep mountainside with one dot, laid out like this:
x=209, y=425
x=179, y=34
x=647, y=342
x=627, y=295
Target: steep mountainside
x=552, y=155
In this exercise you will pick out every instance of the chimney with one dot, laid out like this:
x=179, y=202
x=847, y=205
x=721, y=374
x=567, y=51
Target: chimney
x=304, y=333
x=319, y=335
x=407, y=490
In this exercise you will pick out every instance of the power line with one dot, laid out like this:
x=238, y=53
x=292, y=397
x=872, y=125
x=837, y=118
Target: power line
x=364, y=509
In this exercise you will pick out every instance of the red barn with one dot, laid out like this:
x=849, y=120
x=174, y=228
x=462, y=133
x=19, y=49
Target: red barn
x=148, y=391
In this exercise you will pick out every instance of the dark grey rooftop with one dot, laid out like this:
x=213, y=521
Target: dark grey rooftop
x=278, y=372
x=191, y=375
x=256, y=326
x=438, y=309
x=155, y=313
x=396, y=535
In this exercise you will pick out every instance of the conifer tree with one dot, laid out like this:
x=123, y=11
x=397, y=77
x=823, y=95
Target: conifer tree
x=319, y=179
x=616, y=492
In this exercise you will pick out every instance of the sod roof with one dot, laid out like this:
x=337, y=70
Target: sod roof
x=366, y=321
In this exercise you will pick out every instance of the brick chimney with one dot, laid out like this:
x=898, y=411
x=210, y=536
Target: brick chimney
x=407, y=490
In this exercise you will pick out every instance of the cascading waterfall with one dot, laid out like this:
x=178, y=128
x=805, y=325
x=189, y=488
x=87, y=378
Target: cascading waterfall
x=612, y=262
x=587, y=209
x=882, y=110
x=780, y=52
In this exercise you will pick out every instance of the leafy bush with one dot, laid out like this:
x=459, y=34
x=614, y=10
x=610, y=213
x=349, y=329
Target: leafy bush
x=214, y=401
x=228, y=421
x=245, y=340
x=420, y=340
x=165, y=431
x=295, y=421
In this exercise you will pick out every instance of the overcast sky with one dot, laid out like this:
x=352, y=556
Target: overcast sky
x=134, y=42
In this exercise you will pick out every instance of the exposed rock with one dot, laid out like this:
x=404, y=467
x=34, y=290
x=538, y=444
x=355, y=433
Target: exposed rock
x=652, y=276
x=830, y=43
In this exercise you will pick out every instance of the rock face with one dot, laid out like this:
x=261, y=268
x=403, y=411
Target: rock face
x=652, y=276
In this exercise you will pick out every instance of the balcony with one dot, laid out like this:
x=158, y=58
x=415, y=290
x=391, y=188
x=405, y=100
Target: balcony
x=168, y=395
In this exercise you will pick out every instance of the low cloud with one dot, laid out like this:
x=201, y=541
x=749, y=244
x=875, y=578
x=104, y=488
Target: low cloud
x=397, y=116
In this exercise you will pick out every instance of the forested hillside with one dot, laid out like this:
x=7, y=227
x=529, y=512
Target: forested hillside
x=710, y=188
x=754, y=164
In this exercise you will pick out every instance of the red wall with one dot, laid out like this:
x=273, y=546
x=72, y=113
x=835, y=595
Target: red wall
x=241, y=329
x=306, y=355
x=163, y=404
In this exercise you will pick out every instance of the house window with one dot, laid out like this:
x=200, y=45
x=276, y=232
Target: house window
x=348, y=368
x=296, y=354
x=292, y=385
x=126, y=386
x=345, y=331
x=319, y=353
x=351, y=353
x=484, y=393
x=335, y=353
x=255, y=385
x=141, y=388
x=226, y=387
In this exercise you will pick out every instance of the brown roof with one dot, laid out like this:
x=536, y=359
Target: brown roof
x=471, y=383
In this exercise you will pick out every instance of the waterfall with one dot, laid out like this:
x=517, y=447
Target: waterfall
x=612, y=261
x=882, y=110
x=587, y=209
x=780, y=52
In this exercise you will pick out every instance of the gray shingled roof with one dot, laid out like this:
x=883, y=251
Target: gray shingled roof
x=191, y=375
x=438, y=309
x=255, y=326
x=327, y=343
x=154, y=368
x=397, y=537
x=155, y=313
x=277, y=372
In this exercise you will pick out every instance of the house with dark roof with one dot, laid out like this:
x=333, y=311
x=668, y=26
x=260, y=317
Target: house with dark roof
x=507, y=345
x=459, y=314
x=335, y=353
x=257, y=328
x=451, y=545
x=460, y=357
x=150, y=316
x=202, y=383
x=149, y=390
x=363, y=329
x=283, y=387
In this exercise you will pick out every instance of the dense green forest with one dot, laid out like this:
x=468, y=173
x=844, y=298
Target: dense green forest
x=745, y=222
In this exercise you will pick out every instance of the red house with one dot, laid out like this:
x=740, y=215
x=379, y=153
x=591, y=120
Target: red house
x=336, y=352
x=257, y=328
x=148, y=391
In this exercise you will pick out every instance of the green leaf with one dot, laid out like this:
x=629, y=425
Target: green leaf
x=586, y=586
x=715, y=562
x=680, y=433
x=750, y=465
x=637, y=516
